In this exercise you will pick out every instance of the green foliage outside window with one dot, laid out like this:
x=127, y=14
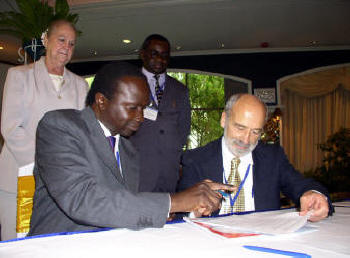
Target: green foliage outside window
x=207, y=102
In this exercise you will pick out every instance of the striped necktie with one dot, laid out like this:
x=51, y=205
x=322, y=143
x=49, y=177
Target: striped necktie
x=158, y=89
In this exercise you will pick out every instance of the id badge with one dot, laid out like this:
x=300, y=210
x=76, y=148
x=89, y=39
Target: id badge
x=150, y=113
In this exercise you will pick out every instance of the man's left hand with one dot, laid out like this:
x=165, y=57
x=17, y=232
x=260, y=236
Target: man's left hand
x=316, y=203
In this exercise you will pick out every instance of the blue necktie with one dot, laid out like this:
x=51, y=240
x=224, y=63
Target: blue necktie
x=112, y=141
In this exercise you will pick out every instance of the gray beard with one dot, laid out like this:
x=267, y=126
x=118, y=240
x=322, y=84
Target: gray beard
x=237, y=152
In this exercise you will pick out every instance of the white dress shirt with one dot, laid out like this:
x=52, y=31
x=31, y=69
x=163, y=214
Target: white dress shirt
x=152, y=83
x=107, y=133
x=246, y=160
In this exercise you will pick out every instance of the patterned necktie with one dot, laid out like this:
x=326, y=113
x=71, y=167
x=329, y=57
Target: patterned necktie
x=235, y=180
x=159, y=91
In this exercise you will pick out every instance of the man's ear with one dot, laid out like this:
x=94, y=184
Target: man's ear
x=142, y=54
x=44, y=41
x=223, y=119
x=101, y=101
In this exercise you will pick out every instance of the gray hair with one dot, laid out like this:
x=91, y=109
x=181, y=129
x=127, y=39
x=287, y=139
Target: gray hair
x=56, y=23
x=233, y=99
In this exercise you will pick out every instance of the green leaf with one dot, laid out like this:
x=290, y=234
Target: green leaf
x=34, y=17
x=61, y=8
x=73, y=18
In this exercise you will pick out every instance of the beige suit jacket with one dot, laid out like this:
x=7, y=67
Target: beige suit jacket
x=28, y=94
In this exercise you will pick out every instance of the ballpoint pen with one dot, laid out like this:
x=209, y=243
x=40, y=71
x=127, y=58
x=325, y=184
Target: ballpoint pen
x=225, y=194
x=276, y=251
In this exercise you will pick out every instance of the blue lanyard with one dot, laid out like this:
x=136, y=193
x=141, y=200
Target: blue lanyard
x=153, y=100
x=232, y=201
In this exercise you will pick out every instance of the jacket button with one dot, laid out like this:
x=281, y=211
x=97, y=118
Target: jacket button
x=161, y=131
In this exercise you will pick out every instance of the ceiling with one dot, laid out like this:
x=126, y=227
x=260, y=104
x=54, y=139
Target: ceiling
x=203, y=26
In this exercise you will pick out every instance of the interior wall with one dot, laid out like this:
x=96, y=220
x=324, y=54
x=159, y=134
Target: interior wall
x=234, y=87
x=262, y=69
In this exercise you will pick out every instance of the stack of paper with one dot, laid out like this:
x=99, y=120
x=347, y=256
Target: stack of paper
x=272, y=223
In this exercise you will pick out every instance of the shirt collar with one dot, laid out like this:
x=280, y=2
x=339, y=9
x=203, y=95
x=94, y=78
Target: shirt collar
x=106, y=131
x=150, y=76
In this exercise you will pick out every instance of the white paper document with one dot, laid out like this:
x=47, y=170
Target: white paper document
x=272, y=223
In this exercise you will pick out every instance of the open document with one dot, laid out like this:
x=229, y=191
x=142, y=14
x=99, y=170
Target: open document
x=272, y=223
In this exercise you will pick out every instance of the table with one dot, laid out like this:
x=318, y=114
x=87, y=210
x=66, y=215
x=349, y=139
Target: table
x=331, y=238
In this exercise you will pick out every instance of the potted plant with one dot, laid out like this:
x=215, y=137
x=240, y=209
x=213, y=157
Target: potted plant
x=334, y=173
x=31, y=20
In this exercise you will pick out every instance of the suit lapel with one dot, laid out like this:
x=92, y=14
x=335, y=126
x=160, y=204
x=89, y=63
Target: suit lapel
x=167, y=93
x=166, y=89
x=214, y=166
x=42, y=77
x=129, y=160
x=171, y=93
x=100, y=143
x=66, y=79
x=258, y=168
x=218, y=162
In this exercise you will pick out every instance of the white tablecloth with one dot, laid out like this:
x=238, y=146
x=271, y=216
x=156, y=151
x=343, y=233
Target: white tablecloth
x=331, y=238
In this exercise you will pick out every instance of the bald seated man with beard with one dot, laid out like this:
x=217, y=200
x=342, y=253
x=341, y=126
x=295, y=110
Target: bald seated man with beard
x=263, y=169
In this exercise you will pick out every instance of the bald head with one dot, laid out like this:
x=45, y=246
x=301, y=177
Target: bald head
x=245, y=101
x=243, y=121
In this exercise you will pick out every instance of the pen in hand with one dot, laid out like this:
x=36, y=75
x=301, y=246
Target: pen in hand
x=224, y=194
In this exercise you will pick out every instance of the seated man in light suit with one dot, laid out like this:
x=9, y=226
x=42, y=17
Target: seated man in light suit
x=86, y=180
x=263, y=170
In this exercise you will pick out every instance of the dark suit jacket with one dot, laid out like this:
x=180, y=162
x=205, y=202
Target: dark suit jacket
x=272, y=173
x=78, y=183
x=160, y=142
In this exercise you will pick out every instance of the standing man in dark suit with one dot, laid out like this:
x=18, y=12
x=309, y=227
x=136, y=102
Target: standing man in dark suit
x=164, y=132
x=87, y=171
x=262, y=171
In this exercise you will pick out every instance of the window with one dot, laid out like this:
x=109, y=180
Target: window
x=208, y=94
x=207, y=100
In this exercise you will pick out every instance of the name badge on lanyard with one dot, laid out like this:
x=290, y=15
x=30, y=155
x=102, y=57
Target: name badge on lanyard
x=150, y=113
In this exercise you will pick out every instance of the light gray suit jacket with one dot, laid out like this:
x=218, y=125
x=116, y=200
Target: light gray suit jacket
x=28, y=94
x=78, y=182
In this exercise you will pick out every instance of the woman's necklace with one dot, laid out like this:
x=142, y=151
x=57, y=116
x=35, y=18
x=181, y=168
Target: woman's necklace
x=58, y=82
